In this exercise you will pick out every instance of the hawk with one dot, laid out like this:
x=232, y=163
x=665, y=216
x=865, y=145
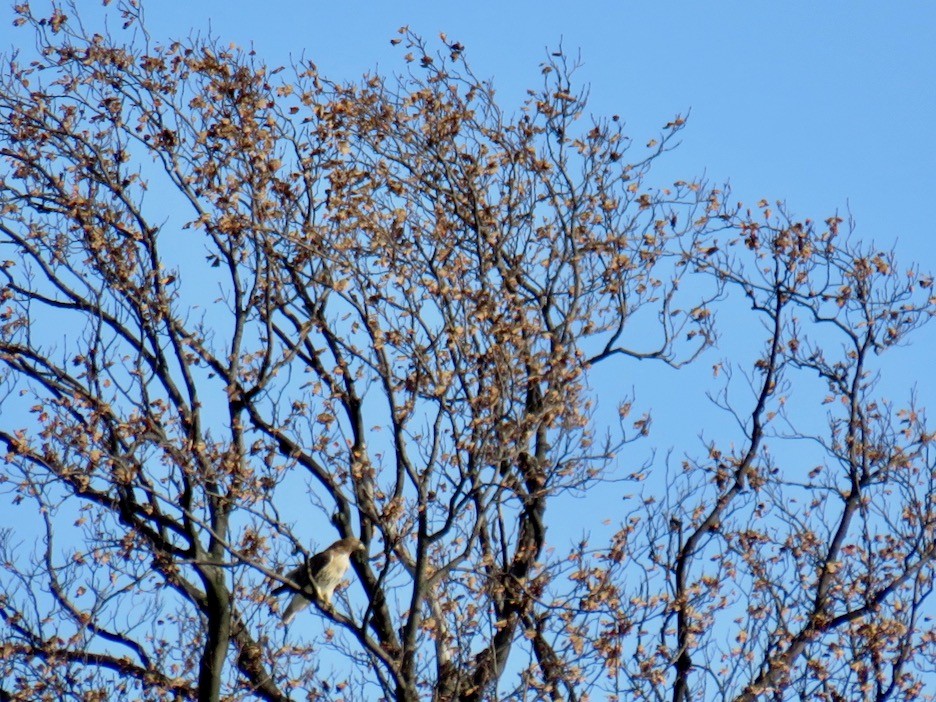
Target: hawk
x=319, y=575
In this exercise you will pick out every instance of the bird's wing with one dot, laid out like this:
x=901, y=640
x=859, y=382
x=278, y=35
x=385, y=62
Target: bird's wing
x=304, y=574
x=316, y=564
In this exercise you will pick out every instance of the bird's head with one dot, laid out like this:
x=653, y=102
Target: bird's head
x=350, y=545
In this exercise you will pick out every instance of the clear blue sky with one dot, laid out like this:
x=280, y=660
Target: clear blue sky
x=818, y=103
x=822, y=104
x=827, y=105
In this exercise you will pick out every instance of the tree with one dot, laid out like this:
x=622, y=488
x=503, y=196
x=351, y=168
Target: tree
x=249, y=311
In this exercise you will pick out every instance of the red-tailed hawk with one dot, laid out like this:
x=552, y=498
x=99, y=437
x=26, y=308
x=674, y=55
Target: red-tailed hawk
x=319, y=576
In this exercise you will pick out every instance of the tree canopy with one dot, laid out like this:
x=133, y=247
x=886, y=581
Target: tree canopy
x=246, y=311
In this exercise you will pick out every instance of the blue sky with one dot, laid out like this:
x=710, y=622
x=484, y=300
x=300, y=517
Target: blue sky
x=823, y=104
x=826, y=105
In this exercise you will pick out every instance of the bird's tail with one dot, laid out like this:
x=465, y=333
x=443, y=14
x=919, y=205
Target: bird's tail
x=296, y=605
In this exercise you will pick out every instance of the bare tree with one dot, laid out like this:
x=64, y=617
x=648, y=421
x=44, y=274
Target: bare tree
x=249, y=311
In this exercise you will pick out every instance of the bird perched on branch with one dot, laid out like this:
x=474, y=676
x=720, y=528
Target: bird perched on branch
x=319, y=576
